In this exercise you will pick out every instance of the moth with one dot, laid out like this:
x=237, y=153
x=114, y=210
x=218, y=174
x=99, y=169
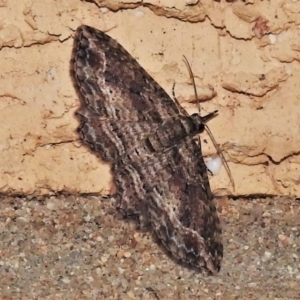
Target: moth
x=159, y=172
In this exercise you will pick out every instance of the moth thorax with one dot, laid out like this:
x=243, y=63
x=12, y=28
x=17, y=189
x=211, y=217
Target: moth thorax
x=197, y=122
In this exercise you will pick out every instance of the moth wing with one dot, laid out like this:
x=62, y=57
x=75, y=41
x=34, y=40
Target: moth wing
x=113, y=87
x=171, y=191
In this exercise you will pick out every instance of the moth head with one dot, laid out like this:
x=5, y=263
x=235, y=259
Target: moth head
x=200, y=121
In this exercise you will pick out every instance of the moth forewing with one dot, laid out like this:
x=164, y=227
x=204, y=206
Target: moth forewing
x=117, y=121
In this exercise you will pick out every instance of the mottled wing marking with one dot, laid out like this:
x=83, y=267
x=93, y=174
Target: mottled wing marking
x=114, y=89
x=158, y=169
x=169, y=191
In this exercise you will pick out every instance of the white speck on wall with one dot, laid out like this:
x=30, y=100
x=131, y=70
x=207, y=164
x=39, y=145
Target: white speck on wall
x=213, y=164
x=104, y=10
x=288, y=70
x=272, y=38
x=139, y=13
x=236, y=59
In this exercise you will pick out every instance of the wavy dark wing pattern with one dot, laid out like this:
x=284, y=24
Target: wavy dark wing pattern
x=170, y=191
x=182, y=212
x=158, y=168
x=114, y=88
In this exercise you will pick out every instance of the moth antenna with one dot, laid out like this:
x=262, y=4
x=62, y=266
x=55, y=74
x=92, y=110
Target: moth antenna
x=220, y=153
x=193, y=81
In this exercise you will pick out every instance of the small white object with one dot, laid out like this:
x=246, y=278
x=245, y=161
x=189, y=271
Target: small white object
x=139, y=13
x=272, y=38
x=104, y=10
x=214, y=164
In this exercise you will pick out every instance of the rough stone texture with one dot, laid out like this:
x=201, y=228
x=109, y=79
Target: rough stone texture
x=247, y=52
x=74, y=248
